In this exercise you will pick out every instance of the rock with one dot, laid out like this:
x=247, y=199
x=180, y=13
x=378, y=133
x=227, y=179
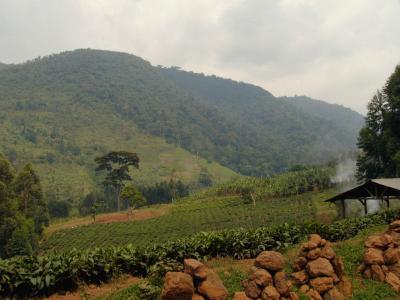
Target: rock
x=314, y=295
x=270, y=293
x=281, y=283
x=240, y=296
x=253, y=290
x=299, y=264
x=314, y=240
x=322, y=284
x=270, y=260
x=320, y=267
x=327, y=252
x=197, y=297
x=367, y=273
x=393, y=281
x=395, y=226
x=304, y=289
x=376, y=241
x=377, y=273
x=338, y=266
x=261, y=277
x=389, y=239
x=195, y=269
x=212, y=287
x=314, y=253
x=293, y=296
x=395, y=269
x=373, y=256
x=323, y=242
x=391, y=256
x=300, y=278
x=345, y=287
x=385, y=269
x=177, y=286
x=334, y=294
x=361, y=268
x=245, y=283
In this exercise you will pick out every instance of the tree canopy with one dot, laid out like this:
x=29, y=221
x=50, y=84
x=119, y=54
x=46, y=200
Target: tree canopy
x=379, y=139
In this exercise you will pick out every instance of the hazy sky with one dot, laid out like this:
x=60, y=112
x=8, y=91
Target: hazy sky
x=339, y=51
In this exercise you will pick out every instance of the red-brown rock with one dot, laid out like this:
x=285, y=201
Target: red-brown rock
x=391, y=256
x=395, y=226
x=314, y=241
x=314, y=253
x=373, y=256
x=377, y=273
x=322, y=284
x=376, y=241
x=270, y=293
x=240, y=296
x=338, y=266
x=212, y=288
x=281, y=283
x=300, y=278
x=197, y=297
x=261, y=277
x=177, y=286
x=299, y=264
x=293, y=296
x=314, y=295
x=395, y=269
x=320, y=267
x=367, y=273
x=253, y=290
x=195, y=268
x=270, y=260
x=345, y=287
x=334, y=294
x=393, y=281
x=327, y=252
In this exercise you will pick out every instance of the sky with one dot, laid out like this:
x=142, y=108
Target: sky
x=339, y=51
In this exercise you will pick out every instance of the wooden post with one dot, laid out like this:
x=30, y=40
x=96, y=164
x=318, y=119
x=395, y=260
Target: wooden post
x=388, y=201
x=343, y=209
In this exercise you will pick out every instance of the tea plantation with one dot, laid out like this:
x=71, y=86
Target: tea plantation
x=184, y=219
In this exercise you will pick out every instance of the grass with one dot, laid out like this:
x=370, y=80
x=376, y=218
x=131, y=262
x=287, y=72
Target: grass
x=183, y=219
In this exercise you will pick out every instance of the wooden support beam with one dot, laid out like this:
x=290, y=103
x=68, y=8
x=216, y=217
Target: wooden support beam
x=343, y=208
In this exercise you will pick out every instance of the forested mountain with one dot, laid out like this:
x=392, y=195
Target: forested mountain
x=339, y=115
x=291, y=129
x=2, y=66
x=62, y=110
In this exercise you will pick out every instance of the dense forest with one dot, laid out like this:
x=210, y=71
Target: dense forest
x=63, y=110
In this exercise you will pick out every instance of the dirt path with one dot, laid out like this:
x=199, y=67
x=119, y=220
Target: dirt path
x=95, y=292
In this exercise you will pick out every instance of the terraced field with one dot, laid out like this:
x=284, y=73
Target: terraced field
x=186, y=218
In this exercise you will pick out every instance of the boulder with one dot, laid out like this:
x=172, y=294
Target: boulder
x=314, y=253
x=367, y=273
x=377, y=273
x=299, y=264
x=270, y=293
x=334, y=294
x=261, y=277
x=345, y=287
x=300, y=278
x=240, y=296
x=253, y=290
x=177, y=286
x=395, y=226
x=395, y=269
x=320, y=267
x=197, y=297
x=314, y=295
x=293, y=296
x=376, y=241
x=391, y=256
x=281, y=283
x=327, y=252
x=322, y=284
x=338, y=266
x=373, y=256
x=195, y=269
x=314, y=240
x=393, y=281
x=304, y=289
x=270, y=260
x=212, y=287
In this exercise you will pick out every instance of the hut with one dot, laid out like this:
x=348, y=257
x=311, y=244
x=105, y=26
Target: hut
x=383, y=189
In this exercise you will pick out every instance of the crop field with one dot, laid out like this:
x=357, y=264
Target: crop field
x=186, y=218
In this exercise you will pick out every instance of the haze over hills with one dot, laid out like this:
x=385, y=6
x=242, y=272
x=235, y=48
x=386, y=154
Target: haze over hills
x=63, y=110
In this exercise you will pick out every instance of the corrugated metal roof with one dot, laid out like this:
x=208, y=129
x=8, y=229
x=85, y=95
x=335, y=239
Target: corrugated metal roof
x=371, y=189
x=389, y=182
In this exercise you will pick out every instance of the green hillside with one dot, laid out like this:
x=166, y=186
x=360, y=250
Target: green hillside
x=61, y=111
x=297, y=129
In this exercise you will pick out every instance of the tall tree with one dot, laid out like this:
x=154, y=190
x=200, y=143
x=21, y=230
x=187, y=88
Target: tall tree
x=117, y=165
x=379, y=139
